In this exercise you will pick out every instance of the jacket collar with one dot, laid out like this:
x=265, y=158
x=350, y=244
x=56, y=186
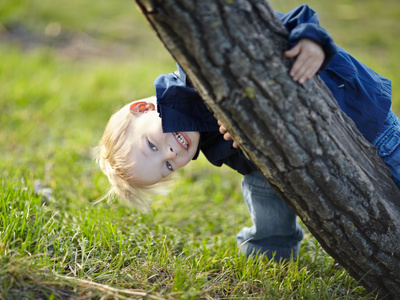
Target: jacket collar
x=180, y=107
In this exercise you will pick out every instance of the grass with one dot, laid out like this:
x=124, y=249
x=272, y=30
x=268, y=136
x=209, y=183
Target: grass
x=65, y=68
x=48, y=251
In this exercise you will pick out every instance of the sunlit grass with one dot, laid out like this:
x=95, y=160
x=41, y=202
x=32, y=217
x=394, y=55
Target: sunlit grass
x=48, y=249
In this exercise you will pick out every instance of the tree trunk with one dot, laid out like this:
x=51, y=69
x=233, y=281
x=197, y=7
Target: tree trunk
x=297, y=136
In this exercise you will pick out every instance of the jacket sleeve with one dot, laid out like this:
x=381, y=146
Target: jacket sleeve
x=302, y=22
x=219, y=152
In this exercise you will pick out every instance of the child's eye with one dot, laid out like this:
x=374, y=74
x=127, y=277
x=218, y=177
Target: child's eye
x=169, y=166
x=152, y=146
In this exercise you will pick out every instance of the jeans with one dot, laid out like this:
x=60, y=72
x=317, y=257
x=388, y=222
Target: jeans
x=275, y=231
x=388, y=144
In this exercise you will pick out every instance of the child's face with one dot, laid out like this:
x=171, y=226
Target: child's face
x=157, y=154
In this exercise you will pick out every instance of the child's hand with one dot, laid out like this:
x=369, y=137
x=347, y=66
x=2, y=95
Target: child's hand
x=309, y=58
x=226, y=134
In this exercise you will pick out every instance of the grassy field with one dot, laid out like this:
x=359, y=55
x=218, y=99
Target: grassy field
x=65, y=67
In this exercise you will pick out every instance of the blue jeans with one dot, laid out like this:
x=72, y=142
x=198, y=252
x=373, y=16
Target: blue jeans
x=275, y=231
x=388, y=144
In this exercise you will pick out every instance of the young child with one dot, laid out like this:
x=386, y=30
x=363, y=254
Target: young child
x=147, y=140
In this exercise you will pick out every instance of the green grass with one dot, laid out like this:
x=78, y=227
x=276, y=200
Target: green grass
x=57, y=92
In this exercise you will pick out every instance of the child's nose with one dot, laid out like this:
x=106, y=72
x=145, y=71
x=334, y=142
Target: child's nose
x=171, y=154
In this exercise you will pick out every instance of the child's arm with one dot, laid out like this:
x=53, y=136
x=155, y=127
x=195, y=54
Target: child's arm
x=309, y=58
x=313, y=47
x=303, y=23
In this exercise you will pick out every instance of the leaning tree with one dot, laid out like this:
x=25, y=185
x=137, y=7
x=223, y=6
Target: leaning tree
x=297, y=136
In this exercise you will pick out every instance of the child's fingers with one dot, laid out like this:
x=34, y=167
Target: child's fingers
x=299, y=67
x=222, y=128
x=292, y=52
x=311, y=68
x=305, y=70
x=226, y=134
x=309, y=58
x=301, y=64
x=227, y=137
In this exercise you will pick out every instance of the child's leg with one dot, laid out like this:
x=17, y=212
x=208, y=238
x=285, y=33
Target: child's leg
x=388, y=144
x=274, y=224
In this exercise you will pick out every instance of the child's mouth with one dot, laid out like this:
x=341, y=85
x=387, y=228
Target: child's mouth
x=183, y=139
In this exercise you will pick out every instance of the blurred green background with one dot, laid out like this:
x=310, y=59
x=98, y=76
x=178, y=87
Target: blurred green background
x=66, y=66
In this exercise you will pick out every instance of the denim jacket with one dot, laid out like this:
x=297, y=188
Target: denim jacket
x=362, y=94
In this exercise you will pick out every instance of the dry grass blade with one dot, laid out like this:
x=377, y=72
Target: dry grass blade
x=111, y=290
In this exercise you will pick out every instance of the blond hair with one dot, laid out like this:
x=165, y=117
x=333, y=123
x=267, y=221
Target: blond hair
x=113, y=156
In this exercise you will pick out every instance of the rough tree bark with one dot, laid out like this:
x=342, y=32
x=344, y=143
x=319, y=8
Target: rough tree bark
x=296, y=135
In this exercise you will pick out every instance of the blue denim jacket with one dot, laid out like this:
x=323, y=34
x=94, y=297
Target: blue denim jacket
x=362, y=94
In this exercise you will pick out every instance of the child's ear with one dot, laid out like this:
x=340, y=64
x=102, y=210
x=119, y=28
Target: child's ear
x=140, y=107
